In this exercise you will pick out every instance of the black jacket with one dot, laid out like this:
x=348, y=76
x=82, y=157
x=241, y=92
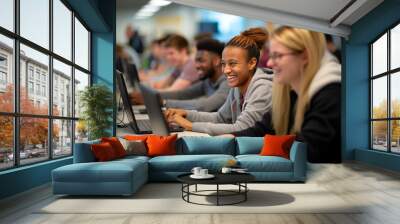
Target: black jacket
x=321, y=126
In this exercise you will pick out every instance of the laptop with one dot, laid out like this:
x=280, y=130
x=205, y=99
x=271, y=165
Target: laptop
x=152, y=101
x=138, y=126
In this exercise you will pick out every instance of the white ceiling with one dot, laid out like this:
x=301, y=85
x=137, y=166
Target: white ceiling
x=320, y=8
x=318, y=15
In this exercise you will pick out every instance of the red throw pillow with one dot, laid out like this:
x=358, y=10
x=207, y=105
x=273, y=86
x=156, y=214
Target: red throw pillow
x=116, y=145
x=103, y=151
x=277, y=145
x=161, y=145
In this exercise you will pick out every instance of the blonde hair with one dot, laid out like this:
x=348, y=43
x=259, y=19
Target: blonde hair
x=313, y=44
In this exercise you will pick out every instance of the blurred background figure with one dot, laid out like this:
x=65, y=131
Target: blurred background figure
x=178, y=55
x=330, y=44
x=134, y=39
x=155, y=66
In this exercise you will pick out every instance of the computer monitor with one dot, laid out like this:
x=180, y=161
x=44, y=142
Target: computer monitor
x=133, y=124
x=133, y=75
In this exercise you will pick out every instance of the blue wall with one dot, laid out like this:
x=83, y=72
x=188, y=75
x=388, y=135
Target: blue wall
x=103, y=52
x=24, y=178
x=356, y=72
x=99, y=15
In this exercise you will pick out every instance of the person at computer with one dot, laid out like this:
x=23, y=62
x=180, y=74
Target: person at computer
x=178, y=56
x=250, y=94
x=206, y=95
x=158, y=66
x=306, y=93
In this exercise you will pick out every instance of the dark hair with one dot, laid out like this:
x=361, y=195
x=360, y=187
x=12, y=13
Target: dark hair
x=247, y=43
x=258, y=34
x=201, y=36
x=211, y=45
x=329, y=38
x=162, y=39
x=177, y=41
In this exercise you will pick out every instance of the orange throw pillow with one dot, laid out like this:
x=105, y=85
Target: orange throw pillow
x=136, y=137
x=103, y=151
x=161, y=145
x=116, y=145
x=277, y=145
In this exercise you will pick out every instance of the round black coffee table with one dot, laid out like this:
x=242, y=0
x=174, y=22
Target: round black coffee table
x=238, y=179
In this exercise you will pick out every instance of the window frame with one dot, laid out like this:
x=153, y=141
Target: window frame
x=16, y=114
x=388, y=74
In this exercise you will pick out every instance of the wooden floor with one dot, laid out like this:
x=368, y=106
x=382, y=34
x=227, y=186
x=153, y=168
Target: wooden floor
x=354, y=182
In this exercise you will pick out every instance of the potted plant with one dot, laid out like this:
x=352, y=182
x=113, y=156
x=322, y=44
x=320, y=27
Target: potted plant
x=96, y=104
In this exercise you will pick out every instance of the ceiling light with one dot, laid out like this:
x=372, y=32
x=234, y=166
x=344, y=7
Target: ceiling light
x=150, y=8
x=159, y=2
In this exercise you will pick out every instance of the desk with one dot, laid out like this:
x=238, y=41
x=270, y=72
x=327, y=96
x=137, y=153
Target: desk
x=127, y=131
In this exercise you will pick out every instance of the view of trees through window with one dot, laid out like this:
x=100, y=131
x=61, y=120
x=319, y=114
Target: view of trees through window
x=385, y=92
x=38, y=112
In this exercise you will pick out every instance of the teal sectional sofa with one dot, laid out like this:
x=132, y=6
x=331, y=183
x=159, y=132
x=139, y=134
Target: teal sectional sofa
x=125, y=176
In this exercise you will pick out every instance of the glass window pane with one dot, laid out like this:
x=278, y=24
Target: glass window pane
x=379, y=135
x=34, y=97
x=81, y=45
x=379, y=55
x=33, y=139
x=81, y=81
x=395, y=136
x=81, y=131
x=62, y=89
x=395, y=94
x=35, y=21
x=379, y=98
x=62, y=29
x=6, y=142
x=6, y=74
x=7, y=14
x=395, y=47
x=62, y=138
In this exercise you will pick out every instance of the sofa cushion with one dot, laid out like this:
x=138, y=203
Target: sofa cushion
x=112, y=171
x=257, y=163
x=134, y=147
x=161, y=145
x=136, y=137
x=249, y=145
x=131, y=158
x=277, y=145
x=103, y=152
x=185, y=163
x=83, y=152
x=195, y=145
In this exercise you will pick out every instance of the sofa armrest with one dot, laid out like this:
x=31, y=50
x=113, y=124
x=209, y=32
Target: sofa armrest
x=83, y=152
x=298, y=155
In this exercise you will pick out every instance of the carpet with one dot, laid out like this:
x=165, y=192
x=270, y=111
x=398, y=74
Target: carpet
x=166, y=198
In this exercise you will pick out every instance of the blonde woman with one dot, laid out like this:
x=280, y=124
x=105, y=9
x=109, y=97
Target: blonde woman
x=306, y=93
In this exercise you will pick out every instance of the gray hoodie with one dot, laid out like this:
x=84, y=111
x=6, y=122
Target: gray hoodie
x=231, y=117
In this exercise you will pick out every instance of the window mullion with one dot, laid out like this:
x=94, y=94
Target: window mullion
x=73, y=82
x=16, y=83
x=389, y=106
x=50, y=81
